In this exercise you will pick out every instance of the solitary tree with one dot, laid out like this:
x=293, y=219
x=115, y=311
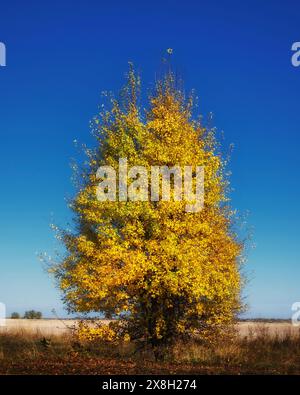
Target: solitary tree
x=162, y=272
x=15, y=315
x=33, y=315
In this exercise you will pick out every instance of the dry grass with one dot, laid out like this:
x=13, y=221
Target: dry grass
x=258, y=352
x=49, y=327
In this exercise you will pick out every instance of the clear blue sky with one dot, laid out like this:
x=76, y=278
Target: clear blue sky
x=62, y=54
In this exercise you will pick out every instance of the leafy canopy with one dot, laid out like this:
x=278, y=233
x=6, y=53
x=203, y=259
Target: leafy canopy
x=161, y=271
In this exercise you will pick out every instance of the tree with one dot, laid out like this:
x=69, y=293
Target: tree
x=162, y=272
x=33, y=315
x=15, y=315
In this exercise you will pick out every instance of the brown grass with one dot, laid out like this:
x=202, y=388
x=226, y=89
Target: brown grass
x=256, y=353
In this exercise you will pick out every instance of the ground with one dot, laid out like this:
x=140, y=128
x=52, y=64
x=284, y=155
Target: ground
x=49, y=347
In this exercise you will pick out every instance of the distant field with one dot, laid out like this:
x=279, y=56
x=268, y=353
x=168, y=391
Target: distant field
x=272, y=329
x=45, y=327
x=49, y=327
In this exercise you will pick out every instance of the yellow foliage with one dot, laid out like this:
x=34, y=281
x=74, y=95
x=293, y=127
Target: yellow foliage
x=164, y=271
x=102, y=332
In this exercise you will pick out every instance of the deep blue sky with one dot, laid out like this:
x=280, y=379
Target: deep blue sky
x=61, y=55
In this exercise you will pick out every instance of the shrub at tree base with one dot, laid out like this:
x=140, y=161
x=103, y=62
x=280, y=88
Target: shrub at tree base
x=111, y=332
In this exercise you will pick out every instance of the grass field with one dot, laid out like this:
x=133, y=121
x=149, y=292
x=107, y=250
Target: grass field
x=49, y=327
x=48, y=347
